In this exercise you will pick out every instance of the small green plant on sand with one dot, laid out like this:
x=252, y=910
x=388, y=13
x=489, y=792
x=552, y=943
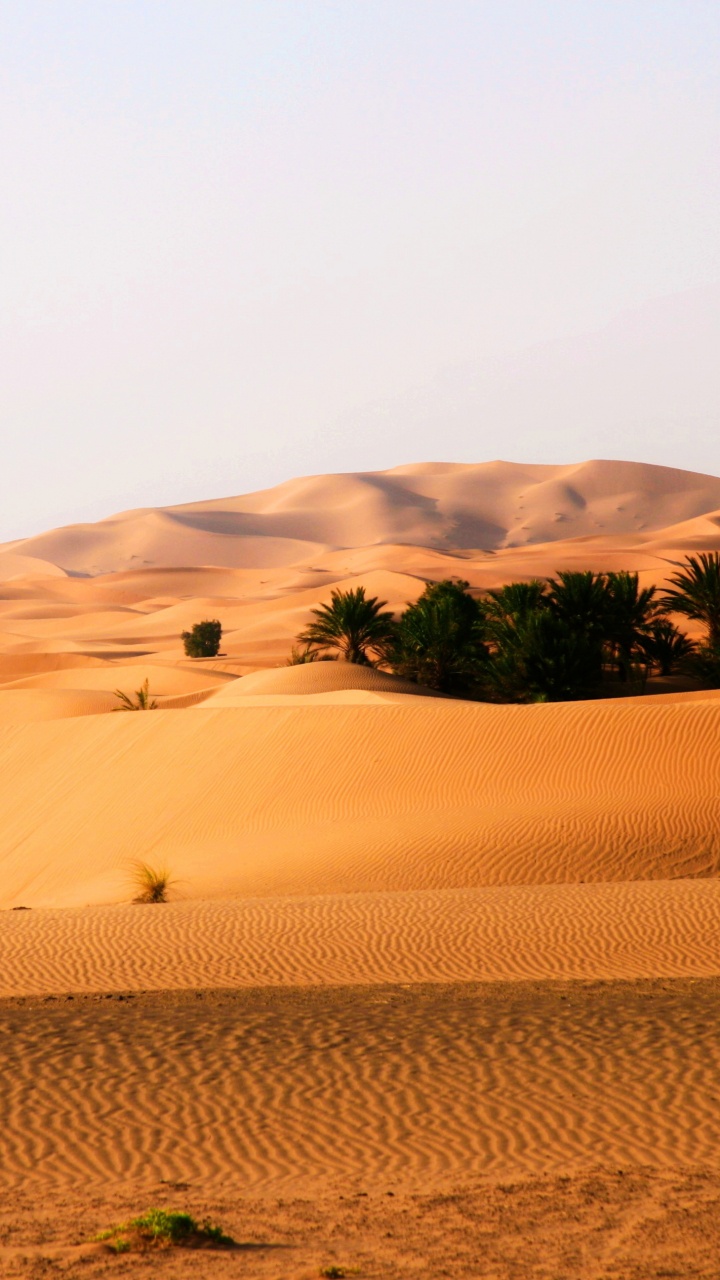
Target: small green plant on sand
x=333, y=1273
x=203, y=640
x=163, y=1228
x=119, y=1245
x=151, y=884
x=143, y=700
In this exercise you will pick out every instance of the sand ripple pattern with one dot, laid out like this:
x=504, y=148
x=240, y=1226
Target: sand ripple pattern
x=273, y=1089
x=596, y=931
x=323, y=799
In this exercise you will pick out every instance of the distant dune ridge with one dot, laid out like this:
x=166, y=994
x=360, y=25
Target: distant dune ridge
x=451, y=507
x=127, y=586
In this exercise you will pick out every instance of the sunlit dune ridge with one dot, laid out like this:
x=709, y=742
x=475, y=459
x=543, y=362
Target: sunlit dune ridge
x=448, y=506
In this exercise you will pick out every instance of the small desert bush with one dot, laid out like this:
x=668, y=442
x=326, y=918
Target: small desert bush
x=203, y=639
x=163, y=1228
x=151, y=884
x=300, y=655
x=143, y=702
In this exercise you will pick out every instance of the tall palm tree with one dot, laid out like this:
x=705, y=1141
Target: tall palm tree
x=580, y=599
x=695, y=592
x=439, y=640
x=352, y=624
x=544, y=658
x=515, y=601
x=631, y=612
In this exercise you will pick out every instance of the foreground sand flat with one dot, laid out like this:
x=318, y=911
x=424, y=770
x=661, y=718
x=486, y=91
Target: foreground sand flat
x=388, y=1088
x=638, y=1224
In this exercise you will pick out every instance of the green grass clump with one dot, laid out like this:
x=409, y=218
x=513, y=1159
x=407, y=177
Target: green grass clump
x=163, y=1228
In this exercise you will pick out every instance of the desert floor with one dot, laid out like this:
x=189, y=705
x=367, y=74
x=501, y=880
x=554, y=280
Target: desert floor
x=436, y=991
x=553, y=1129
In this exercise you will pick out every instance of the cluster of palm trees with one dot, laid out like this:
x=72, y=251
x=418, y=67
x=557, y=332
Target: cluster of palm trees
x=552, y=640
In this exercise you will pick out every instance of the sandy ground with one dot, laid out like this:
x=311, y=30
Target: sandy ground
x=636, y=929
x=436, y=991
x=564, y=1129
x=262, y=800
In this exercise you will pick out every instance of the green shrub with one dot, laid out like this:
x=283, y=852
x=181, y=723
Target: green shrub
x=163, y=1228
x=203, y=639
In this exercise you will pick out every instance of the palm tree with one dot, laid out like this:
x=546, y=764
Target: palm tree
x=667, y=647
x=144, y=701
x=439, y=640
x=695, y=592
x=352, y=624
x=515, y=601
x=300, y=657
x=580, y=599
x=631, y=613
x=544, y=658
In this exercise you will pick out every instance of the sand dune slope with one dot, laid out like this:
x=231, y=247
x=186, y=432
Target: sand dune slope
x=343, y=798
x=26, y=706
x=313, y=678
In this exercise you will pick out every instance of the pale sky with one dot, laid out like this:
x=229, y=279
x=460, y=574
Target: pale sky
x=243, y=240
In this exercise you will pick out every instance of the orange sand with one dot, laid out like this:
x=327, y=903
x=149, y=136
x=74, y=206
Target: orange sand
x=415, y=941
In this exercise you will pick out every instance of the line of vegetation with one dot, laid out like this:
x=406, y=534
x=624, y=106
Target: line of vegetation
x=551, y=640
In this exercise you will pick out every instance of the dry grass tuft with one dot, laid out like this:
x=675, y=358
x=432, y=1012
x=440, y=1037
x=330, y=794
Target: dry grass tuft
x=151, y=884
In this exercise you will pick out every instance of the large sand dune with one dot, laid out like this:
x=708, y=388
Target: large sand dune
x=127, y=586
x=346, y=798
x=437, y=505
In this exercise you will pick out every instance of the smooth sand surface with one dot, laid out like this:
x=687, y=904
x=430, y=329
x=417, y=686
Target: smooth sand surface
x=436, y=989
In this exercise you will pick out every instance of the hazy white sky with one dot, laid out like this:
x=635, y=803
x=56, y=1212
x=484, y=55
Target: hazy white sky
x=242, y=240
